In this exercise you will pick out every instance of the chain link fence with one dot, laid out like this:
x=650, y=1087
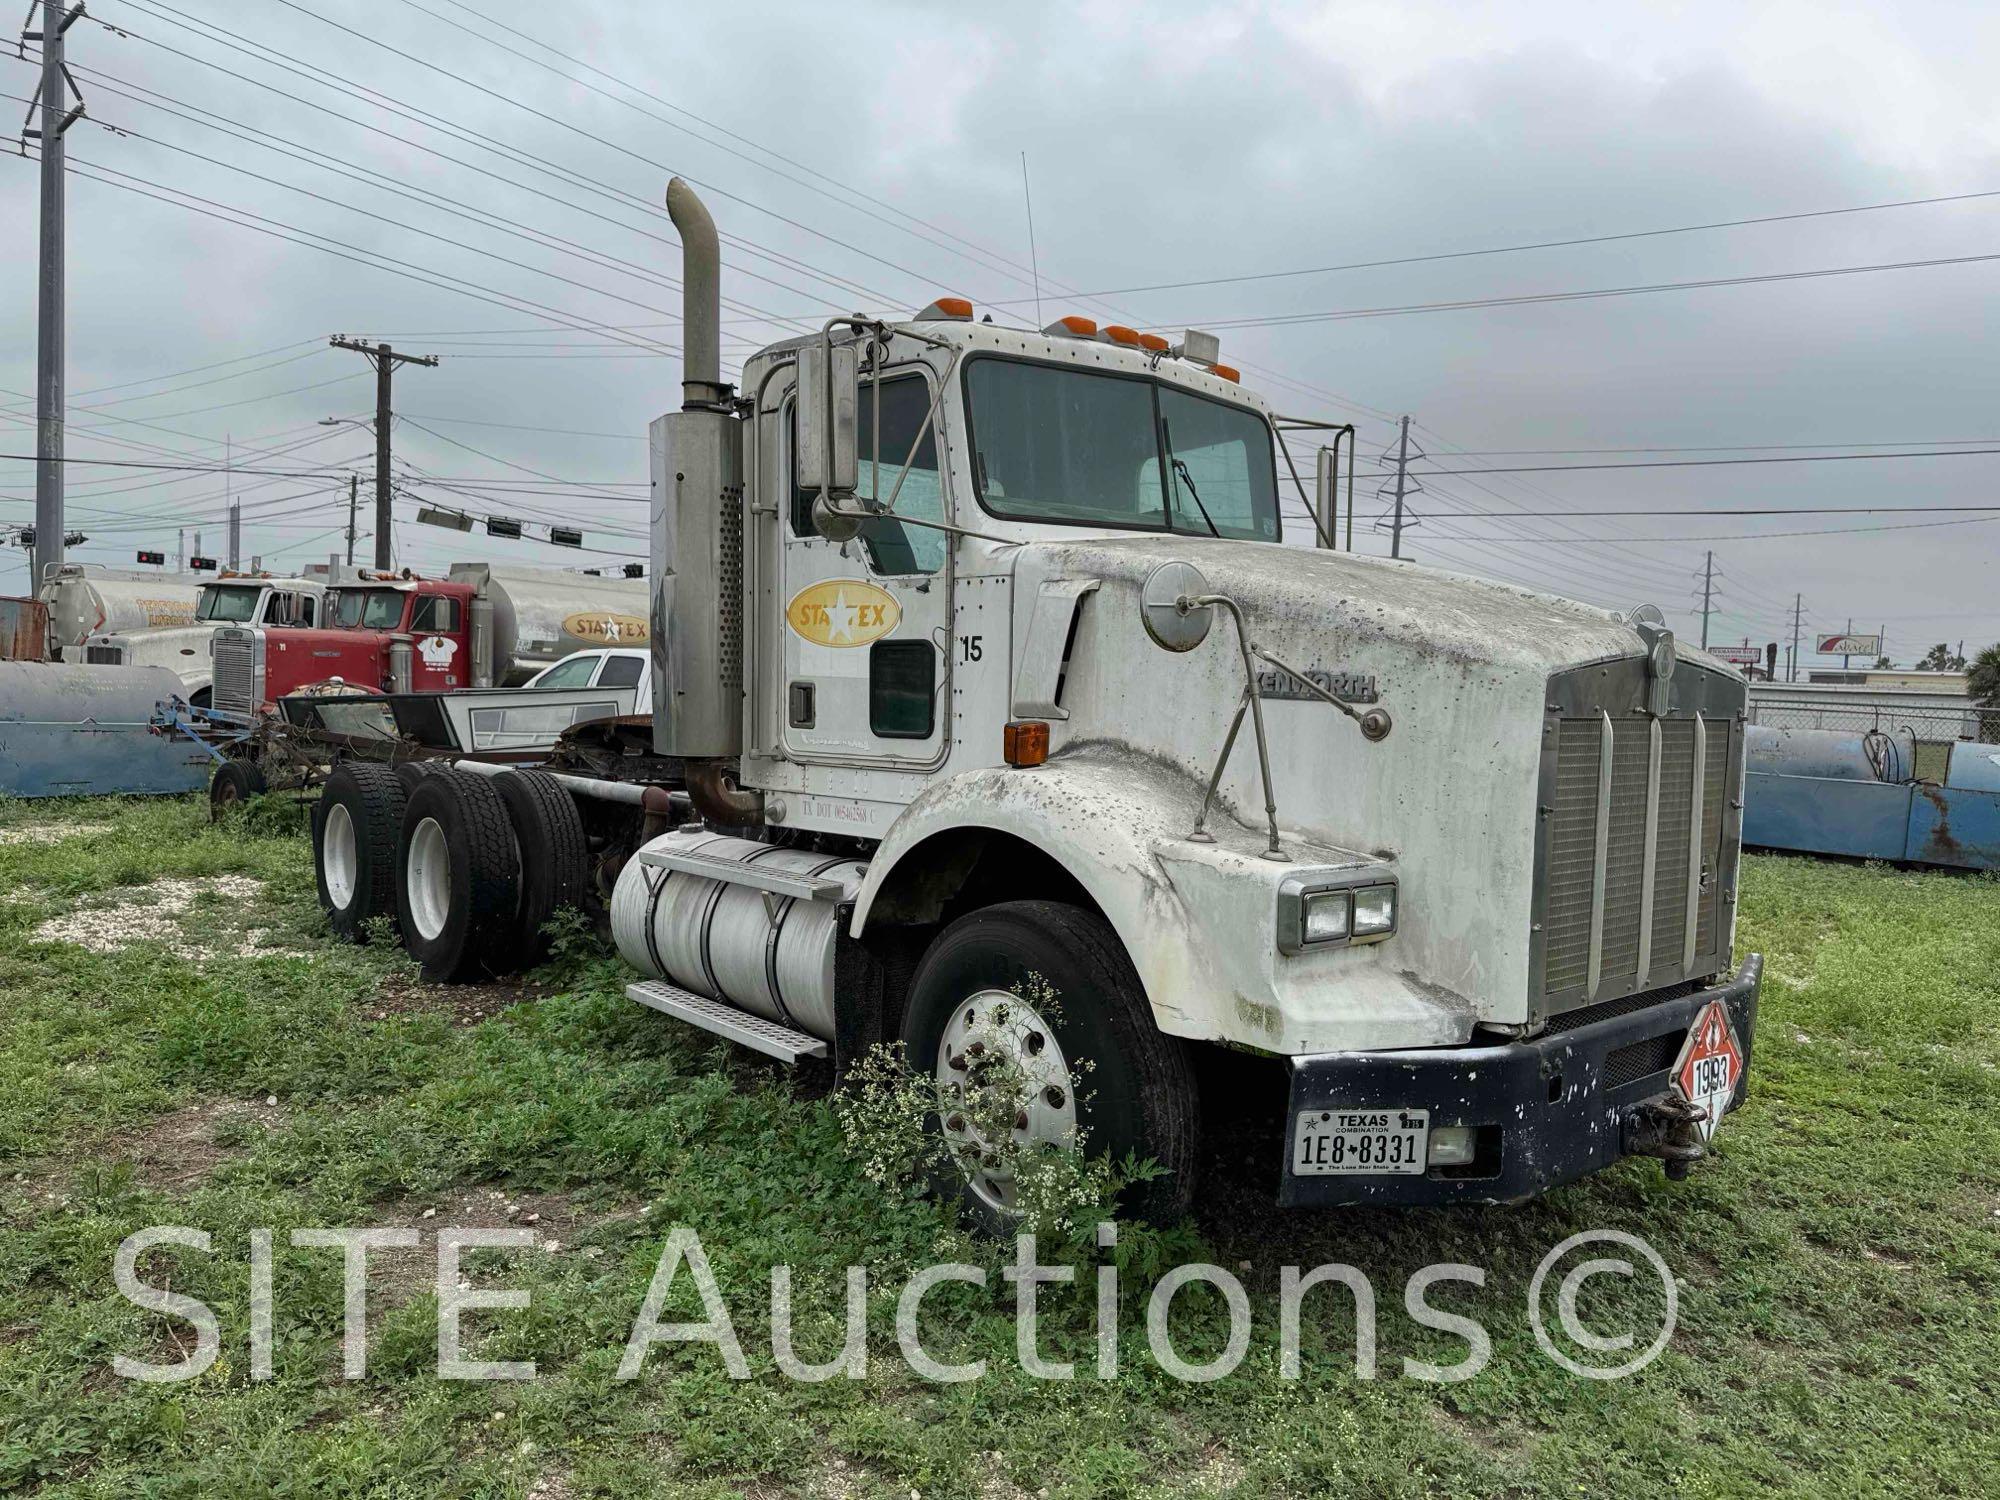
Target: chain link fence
x=1934, y=720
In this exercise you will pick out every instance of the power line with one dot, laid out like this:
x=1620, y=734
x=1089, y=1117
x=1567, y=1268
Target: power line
x=1562, y=244
x=1711, y=463
x=1527, y=299
x=514, y=156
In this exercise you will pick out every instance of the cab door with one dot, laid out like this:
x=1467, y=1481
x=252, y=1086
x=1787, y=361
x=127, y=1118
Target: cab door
x=437, y=655
x=866, y=623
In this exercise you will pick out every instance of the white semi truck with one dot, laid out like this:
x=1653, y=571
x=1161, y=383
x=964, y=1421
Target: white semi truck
x=984, y=673
x=247, y=600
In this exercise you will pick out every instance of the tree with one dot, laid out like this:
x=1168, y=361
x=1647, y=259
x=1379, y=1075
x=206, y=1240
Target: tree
x=1883, y=664
x=1941, y=658
x=1983, y=683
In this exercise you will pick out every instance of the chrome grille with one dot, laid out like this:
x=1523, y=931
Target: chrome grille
x=1638, y=848
x=239, y=684
x=103, y=656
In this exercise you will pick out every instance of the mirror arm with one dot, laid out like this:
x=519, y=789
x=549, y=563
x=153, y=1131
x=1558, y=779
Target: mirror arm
x=1187, y=605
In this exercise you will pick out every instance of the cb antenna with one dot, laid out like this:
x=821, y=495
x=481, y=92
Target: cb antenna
x=1034, y=265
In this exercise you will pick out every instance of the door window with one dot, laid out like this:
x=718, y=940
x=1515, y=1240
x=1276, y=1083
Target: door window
x=893, y=548
x=621, y=671
x=572, y=671
x=435, y=614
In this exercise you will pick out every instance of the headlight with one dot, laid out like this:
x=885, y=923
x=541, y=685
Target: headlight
x=1375, y=911
x=1329, y=908
x=1326, y=916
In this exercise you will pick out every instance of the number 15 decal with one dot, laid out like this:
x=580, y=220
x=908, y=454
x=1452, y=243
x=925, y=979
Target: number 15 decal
x=971, y=647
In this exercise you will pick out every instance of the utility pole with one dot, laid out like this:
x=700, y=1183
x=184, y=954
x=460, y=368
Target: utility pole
x=1792, y=664
x=385, y=361
x=235, y=512
x=56, y=117
x=1402, y=472
x=353, y=493
x=180, y=550
x=1707, y=595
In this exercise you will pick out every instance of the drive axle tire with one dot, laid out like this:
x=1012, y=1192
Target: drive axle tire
x=555, y=856
x=460, y=866
x=411, y=772
x=234, y=783
x=355, y=827
x=1089, y=1058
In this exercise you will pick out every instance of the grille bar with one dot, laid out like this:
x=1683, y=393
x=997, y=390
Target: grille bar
x=1654, y=740
x=1694, y=843
x=1601, y=865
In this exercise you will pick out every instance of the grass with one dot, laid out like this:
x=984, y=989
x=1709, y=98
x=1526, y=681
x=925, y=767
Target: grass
x=1839, y=1261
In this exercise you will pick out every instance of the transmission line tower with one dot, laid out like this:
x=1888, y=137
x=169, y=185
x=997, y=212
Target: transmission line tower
x=1402, y=488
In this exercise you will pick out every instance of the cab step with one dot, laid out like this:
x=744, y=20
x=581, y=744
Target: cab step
x=782, y=1042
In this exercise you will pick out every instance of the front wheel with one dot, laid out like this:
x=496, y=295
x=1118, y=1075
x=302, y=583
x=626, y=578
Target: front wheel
x=1031, y=1020
x=235, y=782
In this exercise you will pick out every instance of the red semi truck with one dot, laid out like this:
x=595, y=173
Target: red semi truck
x=479, y=626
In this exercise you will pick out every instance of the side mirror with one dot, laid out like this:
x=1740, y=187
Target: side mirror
x=829, y=383
x=1172, y=626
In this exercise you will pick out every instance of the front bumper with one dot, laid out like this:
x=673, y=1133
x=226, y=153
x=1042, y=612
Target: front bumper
x=1548, y=1111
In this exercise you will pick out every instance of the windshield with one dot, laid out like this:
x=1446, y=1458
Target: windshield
x=227, y=606
x=369, y=609
x=1083, y=448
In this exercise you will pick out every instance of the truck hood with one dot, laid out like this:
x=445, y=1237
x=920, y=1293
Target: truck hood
x=1448, y=800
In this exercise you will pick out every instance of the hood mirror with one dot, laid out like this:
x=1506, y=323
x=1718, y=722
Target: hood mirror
x=1173, y=626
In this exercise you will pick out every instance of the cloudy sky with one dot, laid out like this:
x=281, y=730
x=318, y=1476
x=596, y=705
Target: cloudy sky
x=459, y=177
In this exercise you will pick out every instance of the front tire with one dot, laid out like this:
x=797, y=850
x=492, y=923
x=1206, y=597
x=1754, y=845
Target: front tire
x=1095, y=1061
x=460, y=868
x=235, y=782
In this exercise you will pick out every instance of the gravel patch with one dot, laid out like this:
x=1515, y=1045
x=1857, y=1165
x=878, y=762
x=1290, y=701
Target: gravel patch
x=164, y=914
x=51, y=833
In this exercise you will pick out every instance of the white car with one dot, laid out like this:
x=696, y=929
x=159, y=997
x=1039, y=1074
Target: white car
x=612, y=666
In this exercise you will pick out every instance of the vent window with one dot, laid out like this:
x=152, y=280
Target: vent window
x=902, y=699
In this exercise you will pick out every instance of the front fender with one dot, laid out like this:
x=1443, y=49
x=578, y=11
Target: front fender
x=1198, y=920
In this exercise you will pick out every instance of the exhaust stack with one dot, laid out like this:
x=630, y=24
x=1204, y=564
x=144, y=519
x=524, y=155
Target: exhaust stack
x=701, y=300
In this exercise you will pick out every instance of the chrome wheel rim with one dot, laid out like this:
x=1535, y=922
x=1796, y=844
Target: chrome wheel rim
x=336, y=856
x=1004, y=1087
x=428, y=879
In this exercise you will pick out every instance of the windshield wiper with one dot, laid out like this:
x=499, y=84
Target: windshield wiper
x=1181, y=473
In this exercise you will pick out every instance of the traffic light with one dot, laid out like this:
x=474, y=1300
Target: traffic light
x=202, y=564
x=565, y=536
x=157, y=559
x=502, y=526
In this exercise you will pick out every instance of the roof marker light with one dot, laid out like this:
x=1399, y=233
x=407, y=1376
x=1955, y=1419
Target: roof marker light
x=1072, y=328
x=946, y=310
x=1154, y=343
x=1117, y=333
x=1227, y=372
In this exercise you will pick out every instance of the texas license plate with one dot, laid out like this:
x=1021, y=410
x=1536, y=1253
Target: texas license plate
x=1330, y=1142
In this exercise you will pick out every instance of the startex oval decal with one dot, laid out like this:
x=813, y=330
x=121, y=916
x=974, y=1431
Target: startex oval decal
x=842, y=612
x=600, y=628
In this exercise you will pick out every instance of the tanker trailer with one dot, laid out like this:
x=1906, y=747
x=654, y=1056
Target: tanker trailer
x=525, y=618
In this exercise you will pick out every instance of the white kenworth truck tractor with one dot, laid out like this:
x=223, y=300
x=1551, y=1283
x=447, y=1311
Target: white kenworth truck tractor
x=994, y=714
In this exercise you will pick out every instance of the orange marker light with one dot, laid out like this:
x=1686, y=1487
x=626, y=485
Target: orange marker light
x=947, y=309
x=1025, y=742
x=1072, y=327
x=1154, y=342
x=1118, y=334
x=1227, y=372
